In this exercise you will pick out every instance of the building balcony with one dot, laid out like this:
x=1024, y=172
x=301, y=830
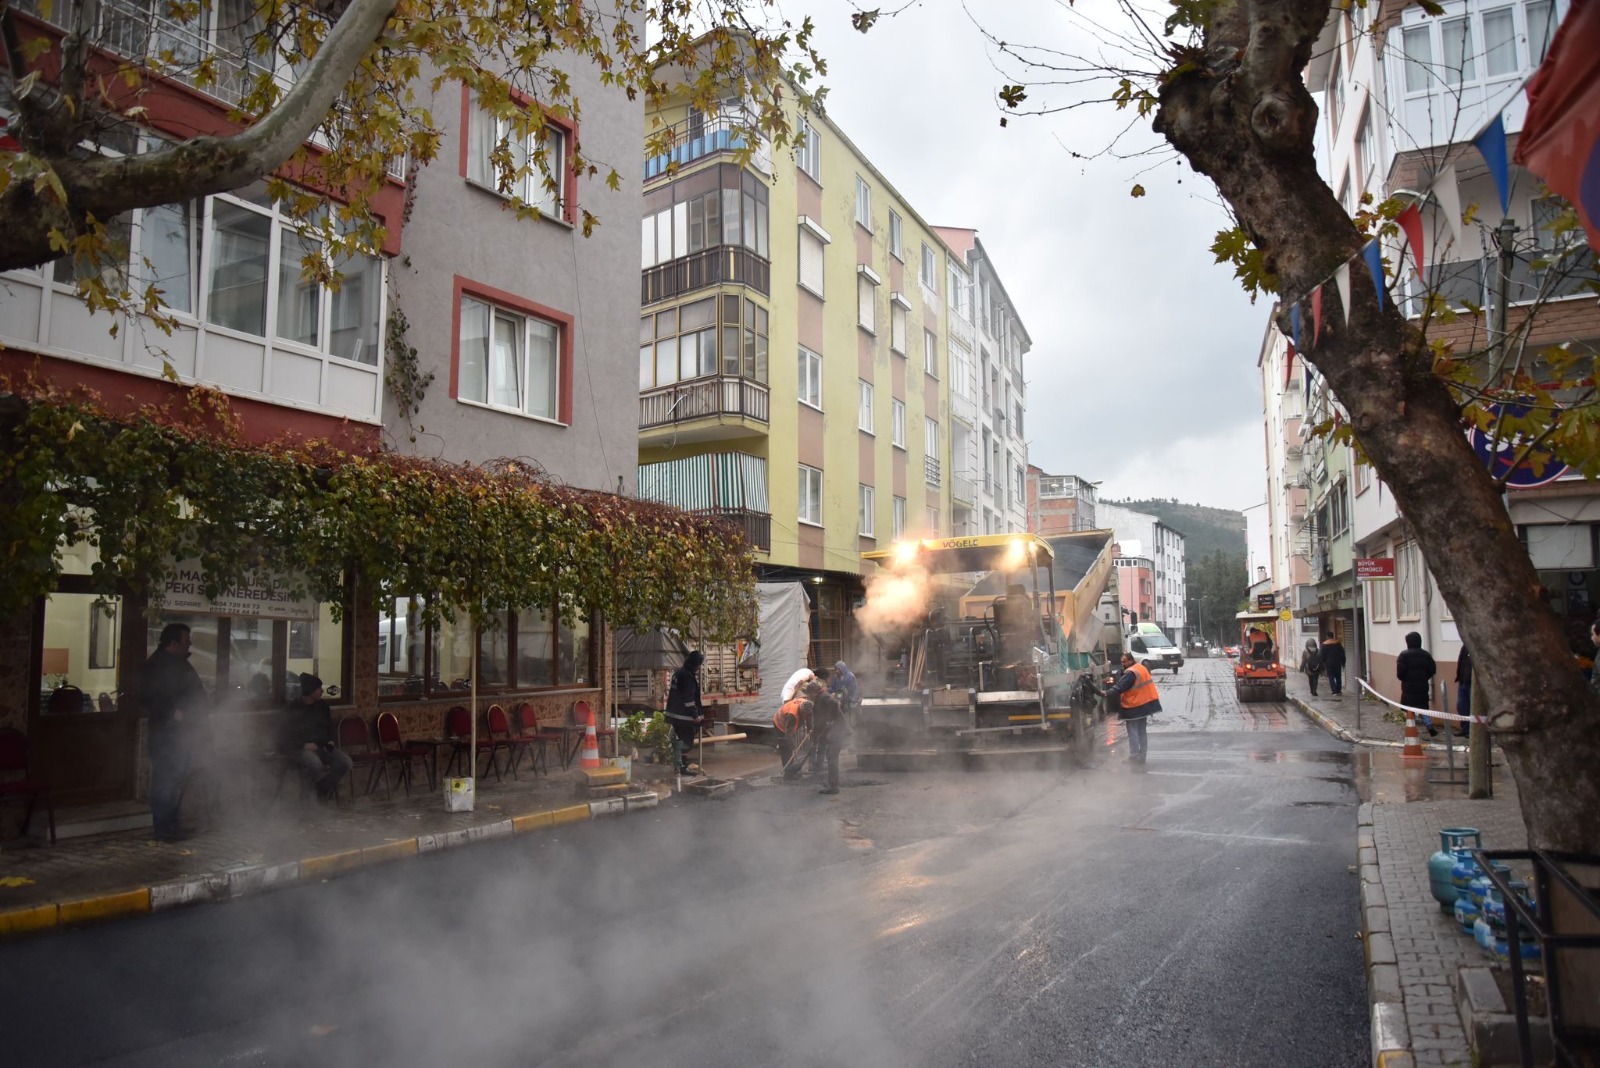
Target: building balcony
x=962, y=489
x=719, y=265
x=963, y=408
x=755, y=526
x=701, y=137
x=705, y=409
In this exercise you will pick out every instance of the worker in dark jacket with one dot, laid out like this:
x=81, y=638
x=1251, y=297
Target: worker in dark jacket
x=308, y=740
x=684, y=712
x=828, y=720
x=174, y=700
x=1136, y=698
x=1415, y=669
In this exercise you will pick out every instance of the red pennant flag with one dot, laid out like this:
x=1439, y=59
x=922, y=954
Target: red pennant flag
x=1316, y=315
x=1410, y=221
x=1288, y=365
x=1560, y=140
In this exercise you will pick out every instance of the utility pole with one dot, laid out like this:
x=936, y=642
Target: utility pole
x=1479, y=784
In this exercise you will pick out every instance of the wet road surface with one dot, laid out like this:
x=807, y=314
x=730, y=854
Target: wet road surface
x=1198, y=910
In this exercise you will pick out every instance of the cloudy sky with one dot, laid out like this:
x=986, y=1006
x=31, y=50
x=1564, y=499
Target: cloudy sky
x=1142, y=372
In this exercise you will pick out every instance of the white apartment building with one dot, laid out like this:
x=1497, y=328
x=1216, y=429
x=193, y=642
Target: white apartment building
x=1164, y=547
x=988, y=397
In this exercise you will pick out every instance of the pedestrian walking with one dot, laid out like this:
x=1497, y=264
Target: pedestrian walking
x=174, y=700
x=684, y=711
x=1137, y=700
x=1333, y=663
x=1464, y=690
x=1415, y=669
x=830, y=728
x=1311, y=664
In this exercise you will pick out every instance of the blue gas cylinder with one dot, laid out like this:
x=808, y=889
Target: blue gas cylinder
x=1491, y=922
x=1481, y=884
x=1467, y=913
x=1462, y=873
x=1453, y=841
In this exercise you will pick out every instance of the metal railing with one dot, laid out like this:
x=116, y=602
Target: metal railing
x=756, y=526
x=699, y=136
x=961, y=488
x=709, y=267
x=930, y=470
x=702, y=397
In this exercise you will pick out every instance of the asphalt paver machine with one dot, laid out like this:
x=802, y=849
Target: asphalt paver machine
x=975, y=675
x=1259, y=674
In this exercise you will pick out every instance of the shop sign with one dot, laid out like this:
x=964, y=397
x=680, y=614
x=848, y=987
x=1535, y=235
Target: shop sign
x=1375, y=567
x=1266, y=602
x=264, y=597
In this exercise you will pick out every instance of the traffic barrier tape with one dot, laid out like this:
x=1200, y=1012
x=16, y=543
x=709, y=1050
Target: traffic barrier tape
x=1430, y=713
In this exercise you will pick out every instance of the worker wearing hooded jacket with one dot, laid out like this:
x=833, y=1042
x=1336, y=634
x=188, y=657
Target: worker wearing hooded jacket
x=1137, y=700
x=684, y=711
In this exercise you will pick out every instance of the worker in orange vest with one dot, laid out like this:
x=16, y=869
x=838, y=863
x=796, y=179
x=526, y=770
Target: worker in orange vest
x=793, y=721
x=1137, y=700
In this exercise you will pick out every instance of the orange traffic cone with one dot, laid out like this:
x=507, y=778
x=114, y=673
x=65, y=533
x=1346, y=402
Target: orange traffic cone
x=589, y=755
x=1413, y=747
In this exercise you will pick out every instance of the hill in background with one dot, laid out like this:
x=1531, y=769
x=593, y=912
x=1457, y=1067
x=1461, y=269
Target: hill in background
x=1205, y=530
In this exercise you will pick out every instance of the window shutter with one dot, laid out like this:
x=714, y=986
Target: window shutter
x=811, y=262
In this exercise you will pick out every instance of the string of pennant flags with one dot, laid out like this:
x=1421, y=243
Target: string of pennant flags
x=1445, y=192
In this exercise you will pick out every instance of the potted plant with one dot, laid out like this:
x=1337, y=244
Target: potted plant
x=647, y=732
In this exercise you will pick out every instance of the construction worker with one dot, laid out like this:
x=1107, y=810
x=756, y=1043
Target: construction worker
x=829, y=731
x=793, y=721
x=685, y=713
x=1137, y=700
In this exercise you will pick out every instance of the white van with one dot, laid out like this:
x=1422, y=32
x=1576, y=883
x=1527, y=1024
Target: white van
x=1151, y=647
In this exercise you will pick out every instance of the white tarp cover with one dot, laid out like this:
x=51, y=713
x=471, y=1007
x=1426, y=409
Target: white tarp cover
x=785, y=635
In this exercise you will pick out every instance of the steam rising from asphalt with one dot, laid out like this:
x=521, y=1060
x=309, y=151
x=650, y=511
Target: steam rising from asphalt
x=895, y=600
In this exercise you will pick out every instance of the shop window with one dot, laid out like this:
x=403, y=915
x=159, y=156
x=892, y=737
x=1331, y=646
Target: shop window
x=253, y=663
x=78, y=662
x=525, y=650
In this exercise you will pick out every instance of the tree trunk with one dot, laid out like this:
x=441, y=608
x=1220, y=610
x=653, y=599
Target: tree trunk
x=1243, y=117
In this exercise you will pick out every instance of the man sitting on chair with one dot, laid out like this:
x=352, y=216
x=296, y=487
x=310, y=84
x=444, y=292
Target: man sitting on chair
x=308, y=739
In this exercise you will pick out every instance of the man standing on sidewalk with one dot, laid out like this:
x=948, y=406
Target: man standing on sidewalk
x=1415, y=669
x=173, y=699
x=1333, y=663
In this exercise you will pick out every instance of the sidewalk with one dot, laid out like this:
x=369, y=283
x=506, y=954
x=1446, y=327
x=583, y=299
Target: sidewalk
x=258, y=844
x=1413, y=949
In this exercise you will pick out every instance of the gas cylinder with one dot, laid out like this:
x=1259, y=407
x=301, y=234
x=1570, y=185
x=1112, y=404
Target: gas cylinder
x=1467, y=913
x=1491, y=922
x=1462, y=873
x=1481, y=883
x=1452, y=842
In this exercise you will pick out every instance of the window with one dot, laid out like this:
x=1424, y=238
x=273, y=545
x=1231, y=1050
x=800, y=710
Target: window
x=866, y=302
x=1500, y=42
x=508, y=360
x=810, y=495
x=897, y=247
x=933, y=521
x=1363, y=477
x=864, y=412
x=1366, y=149
x=1541, y=27
x=1408, y=581
x=1338, y=509
x=690, y=341
x=1335, y=96
x=1554, y=225
x=1417, y=42
x=930, y=438
x=811, y=273
x=810, y=378
x=1460, y=58
x=863, y=203
x=1345, y=197
x=897, y=327
x=930, y=353
x=533, y=167
x=524, y=650
x=808, y=151
x=899, y=518
x=897, y=423
x=240, y=238
x=960, y=292
x=865, y=511
x=167, y=252
x=930, y=269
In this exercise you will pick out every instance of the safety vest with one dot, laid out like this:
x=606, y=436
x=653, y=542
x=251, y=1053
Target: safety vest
x=1143, y=691
x=787, y=718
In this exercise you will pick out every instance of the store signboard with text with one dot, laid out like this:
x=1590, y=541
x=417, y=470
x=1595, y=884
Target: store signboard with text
x=1374, y=568
x=265, y=597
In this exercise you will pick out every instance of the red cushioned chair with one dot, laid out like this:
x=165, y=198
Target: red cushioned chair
x=504, y=741
x=354, y=739
x=14, y=758
x=396, y=750
x=535, y=733
x=458, y=728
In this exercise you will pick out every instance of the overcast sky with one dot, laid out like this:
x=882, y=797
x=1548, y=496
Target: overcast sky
x=1142, y=372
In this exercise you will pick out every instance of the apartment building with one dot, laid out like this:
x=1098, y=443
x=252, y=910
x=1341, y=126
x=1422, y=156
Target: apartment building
x=522, y=322
x=884, y=426
x=1144, y=536
x=1404, y=95
x=988, y=396
x=1060, y=504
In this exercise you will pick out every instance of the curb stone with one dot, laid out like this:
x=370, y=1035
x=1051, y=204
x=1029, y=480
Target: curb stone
x=243, y=880
x=1391, y=1038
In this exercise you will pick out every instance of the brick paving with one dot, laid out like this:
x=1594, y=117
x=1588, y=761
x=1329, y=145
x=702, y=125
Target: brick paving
x=255, y=827
x=1413, y=949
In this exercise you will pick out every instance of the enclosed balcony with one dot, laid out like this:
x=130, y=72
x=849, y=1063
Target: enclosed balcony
x=699, y=136
x=731, y=486
x=705, y=409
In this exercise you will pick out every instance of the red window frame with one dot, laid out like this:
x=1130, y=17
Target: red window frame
x=568, y=127
x=466, y=287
